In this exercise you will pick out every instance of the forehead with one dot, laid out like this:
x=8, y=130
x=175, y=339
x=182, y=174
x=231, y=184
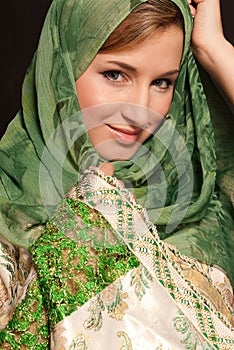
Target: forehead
x=92, y=39
x=161, y=48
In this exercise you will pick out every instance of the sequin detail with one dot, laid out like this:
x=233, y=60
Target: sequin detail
x=162, y=260
x=76, y=257
x=28, y=328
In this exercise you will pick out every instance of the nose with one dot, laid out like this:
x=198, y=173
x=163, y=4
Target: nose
x=136, y=106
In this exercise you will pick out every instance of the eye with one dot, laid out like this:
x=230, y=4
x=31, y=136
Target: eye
x=114, y=76
x=162, y=83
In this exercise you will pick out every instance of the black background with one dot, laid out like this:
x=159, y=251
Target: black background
x=20, y=25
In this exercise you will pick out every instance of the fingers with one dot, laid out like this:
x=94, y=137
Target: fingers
x=193, y=6
x=195, y=2
x=107, y=169
x=192, y=10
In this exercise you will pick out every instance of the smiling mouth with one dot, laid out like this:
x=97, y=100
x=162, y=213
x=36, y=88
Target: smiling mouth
x=123, y=135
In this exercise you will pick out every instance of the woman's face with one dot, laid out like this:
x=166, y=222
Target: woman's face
x=130, y=92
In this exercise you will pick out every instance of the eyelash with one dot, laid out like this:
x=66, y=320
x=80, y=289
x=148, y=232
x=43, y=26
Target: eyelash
x=107, y=76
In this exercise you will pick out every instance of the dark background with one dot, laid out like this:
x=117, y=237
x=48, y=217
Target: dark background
x=20, y=25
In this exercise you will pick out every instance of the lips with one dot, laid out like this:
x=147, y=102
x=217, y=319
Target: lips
x=127, y=136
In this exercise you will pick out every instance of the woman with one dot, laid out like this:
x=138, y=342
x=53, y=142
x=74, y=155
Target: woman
x=102, y=275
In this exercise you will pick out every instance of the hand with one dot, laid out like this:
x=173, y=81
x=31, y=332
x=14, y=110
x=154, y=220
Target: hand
x=192, y=7
x=108, y=170
x=207, y=31
x=210, y=46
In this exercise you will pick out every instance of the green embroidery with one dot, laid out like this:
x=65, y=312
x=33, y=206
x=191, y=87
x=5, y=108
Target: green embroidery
x=28, y=326
x=191, y=339
x=140, y=278
x=125, y=340
x=73, y=262
x=113, y=298
x=76, y=257
x=80, y=342
x=95, y=318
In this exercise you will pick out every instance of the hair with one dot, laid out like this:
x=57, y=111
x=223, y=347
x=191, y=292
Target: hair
x=146, y=19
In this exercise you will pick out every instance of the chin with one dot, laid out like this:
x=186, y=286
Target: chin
x=112, y=155
x=115, y=150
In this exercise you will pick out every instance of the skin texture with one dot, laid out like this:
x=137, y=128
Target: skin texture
x=125, y=94
x=107, y=168
x=210, y=46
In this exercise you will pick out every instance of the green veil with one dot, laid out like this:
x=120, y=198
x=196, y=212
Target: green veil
x=174, y=174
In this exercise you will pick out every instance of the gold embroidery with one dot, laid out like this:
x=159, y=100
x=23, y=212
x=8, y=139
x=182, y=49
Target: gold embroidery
x=95, y=318
x=140, y=277
x=125, y=341
x=131, y=222
x=80, y=342
x=200, y=277
x=118, y=312
x=113, y=298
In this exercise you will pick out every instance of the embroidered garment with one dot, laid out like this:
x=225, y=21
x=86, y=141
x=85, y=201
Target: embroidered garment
x=113, y=281
x=173, y=174
x=96, y=268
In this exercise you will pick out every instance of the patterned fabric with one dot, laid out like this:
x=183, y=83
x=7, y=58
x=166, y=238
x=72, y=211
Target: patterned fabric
x=92, y=290
x=46, y=146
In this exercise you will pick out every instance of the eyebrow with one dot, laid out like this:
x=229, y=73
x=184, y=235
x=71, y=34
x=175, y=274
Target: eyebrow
x=124, y=65
x=133, y=69
x=170, y=72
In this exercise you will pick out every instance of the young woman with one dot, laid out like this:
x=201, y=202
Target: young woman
x=114, y=82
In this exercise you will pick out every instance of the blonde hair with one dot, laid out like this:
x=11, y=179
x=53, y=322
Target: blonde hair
x=146, y=19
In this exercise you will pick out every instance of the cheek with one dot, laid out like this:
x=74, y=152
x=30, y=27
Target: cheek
x=89, y=92
x=85, y=95
x=162, y=105
x=96, y=135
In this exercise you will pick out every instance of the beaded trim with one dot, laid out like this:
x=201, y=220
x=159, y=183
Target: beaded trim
x=130, y=220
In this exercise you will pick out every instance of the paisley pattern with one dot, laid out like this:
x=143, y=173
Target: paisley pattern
x=91, y=288
x=96, y=268
x=46, y=147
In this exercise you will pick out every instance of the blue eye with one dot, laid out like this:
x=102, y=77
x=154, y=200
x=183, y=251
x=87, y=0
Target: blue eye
x=114, y=75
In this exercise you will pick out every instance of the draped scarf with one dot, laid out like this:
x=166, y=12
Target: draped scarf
x=46, y=146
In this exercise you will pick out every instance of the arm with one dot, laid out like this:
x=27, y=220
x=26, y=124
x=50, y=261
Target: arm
x=209, y=45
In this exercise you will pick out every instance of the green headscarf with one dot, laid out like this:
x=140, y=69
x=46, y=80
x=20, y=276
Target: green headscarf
x=46, y=146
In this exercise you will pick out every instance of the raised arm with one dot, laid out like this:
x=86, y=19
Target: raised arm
x=210, y=46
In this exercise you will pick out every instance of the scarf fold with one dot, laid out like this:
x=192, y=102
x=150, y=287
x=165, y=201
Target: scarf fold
x=46, y=146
